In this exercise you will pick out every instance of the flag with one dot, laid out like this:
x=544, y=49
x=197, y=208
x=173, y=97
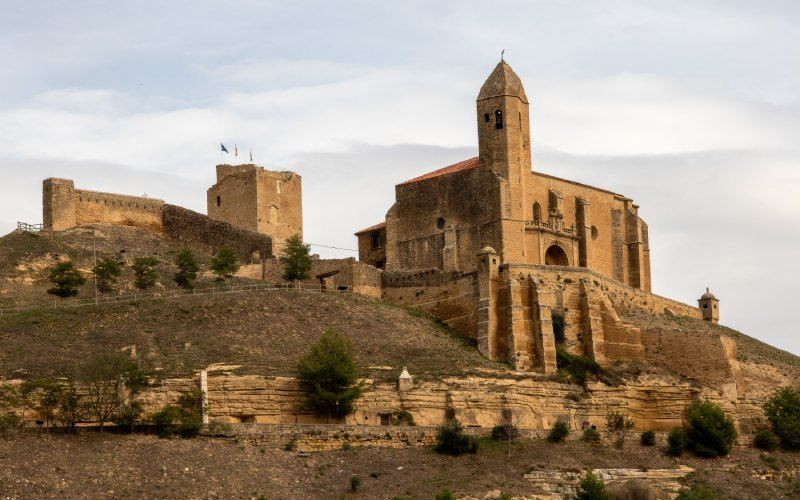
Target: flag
x=223, y=147
x=235, y=151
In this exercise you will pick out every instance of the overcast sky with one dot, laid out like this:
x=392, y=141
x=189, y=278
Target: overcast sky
x=689, y=107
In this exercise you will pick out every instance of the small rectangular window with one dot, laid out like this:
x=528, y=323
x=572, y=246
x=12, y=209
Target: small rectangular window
x=376, y=240
x=219, y=201
x=486, y=117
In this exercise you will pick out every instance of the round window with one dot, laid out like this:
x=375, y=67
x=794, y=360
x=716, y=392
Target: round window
x=440, y=223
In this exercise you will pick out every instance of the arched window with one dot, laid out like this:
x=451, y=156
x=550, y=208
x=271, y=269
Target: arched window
x=498, y=119
x=537, y=212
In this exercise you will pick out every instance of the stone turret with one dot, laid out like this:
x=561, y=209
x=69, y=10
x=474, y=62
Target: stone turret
x=709, y=305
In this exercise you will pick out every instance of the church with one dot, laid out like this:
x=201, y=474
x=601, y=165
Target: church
x=443, y=219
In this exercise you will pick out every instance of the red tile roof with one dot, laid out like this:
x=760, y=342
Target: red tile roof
x=456, y=167
x=380, y=225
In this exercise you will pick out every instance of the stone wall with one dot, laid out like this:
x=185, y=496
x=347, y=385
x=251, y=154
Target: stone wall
x=450, y=297
x=196, y=230
x=65, y=207
x=338, y=274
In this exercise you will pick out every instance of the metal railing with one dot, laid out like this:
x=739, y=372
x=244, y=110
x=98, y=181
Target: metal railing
x=171, y=294
x=31, y=228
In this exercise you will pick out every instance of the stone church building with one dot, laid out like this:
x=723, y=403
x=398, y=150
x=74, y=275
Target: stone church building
x=444, y=218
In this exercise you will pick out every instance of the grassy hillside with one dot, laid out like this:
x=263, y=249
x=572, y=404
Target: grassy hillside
x=25, y=259
x=265, y=332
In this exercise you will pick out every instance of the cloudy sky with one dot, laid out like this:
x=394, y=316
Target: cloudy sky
x=689, y=107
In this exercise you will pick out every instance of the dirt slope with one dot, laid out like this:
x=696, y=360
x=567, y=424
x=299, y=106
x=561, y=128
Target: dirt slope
x=266, y=332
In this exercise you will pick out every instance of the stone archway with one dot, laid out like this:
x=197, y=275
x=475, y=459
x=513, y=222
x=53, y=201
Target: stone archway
x=555, y=256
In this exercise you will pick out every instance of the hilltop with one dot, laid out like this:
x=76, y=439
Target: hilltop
x=25, y=259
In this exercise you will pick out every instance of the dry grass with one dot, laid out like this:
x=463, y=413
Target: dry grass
x=265, y=332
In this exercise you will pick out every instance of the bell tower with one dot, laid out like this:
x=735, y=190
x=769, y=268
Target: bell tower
x=504, y=146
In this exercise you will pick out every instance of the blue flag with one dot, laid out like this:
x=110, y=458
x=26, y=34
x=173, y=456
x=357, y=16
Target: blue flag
x=223, y=147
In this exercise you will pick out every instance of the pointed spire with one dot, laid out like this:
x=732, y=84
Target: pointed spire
x=503, y=82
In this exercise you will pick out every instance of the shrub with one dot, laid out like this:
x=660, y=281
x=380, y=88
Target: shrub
x=355, y=482
x=296, y=259
x=505, y=432
x=591, y=436
x=451, y=440
x=402, y=417
x=445, y=495
x=591, y=488
x=290, y=445
x=635, y=489
x=164, y=419
x=144, y=272
x=129, y=416
x=676, y=442
x=8, y=421
x=329, y=375
x=218, y=428
x=709, y=431
x=766, y=440
x=66, y=279
x=187, y=269
x=224, y=264
x=783, y=413
x=106, y=272
x=558, y=433
x=648, y=438
x=578, y=368
x=617, y=426
x=698, y=491
x=191, y=412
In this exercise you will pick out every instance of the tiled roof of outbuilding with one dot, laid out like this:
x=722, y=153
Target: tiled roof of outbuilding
x=380, y=225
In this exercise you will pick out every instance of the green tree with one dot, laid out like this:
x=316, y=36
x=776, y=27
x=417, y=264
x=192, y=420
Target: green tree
x=783, y=413
x=106, y=272
x=329, y=375
x=224, y=264
x=296, y=259
x=676, y=441
x=66, y=279
x=144, y=271
x=187, y=269
x=105, y=376
x=709, y=431
x=42, y=396
x=591, y=488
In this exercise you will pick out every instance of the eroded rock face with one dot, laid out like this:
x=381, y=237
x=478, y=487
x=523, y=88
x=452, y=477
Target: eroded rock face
x=535, y=404
x=663, y=483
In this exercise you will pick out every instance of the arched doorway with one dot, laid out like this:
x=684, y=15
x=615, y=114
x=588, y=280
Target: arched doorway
x=555, y=256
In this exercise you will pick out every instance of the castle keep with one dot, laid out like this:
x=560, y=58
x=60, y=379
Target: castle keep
x=253, y=198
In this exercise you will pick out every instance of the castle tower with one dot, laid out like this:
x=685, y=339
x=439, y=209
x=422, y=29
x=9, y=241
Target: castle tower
x=709, y=305
x=250, y=197
x=504, y=148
